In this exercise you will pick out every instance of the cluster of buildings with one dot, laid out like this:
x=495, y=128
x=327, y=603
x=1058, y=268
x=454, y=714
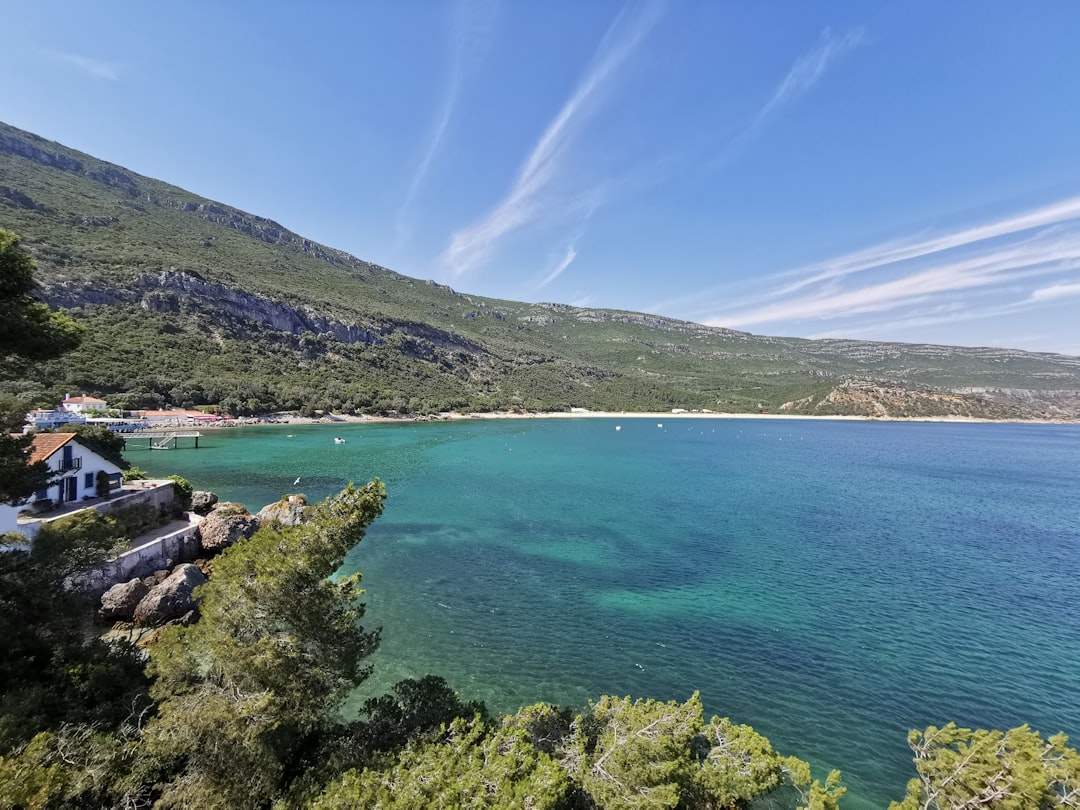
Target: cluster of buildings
x=91, y=410
x=76, y=468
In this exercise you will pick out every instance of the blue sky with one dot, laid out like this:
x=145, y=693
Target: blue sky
x=888, y=171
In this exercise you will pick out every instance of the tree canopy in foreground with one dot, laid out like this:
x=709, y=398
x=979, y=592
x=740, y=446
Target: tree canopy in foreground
x=240, y=710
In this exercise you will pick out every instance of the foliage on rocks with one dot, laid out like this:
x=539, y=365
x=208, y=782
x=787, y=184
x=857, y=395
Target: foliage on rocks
x=184, y=491
x=471, y=766
x=278, y=646
x=1012, y=770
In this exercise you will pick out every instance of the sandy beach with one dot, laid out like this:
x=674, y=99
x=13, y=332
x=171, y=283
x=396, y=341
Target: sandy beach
x=344, y=419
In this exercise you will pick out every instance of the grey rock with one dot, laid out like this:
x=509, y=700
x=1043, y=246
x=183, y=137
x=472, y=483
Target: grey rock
x=289, y=511
x=225, y=525
x=120, y=601
x=203, y=502
x=171, y=598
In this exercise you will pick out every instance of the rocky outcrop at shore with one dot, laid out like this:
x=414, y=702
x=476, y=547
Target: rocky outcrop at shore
x=171, y=598
x=202, y=502
x=167, y=597
x=120, y=601
x=227, y=523
x=289, y=511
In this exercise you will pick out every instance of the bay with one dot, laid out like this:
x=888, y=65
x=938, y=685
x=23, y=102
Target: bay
x=832, y=584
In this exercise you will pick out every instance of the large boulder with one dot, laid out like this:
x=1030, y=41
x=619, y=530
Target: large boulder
x=170, y=599
x=120, y=601
x=202, y=502
x=289, y=511
x=228, y=523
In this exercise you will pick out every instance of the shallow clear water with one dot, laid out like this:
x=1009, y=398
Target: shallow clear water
x=832, y=584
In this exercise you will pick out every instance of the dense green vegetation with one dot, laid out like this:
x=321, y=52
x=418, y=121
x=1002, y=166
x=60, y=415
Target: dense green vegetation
x=29, y=333
x=191, y=302
x=240, y=709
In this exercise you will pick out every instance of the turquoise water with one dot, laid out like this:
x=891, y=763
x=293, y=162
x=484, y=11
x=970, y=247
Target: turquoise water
x=832, y=584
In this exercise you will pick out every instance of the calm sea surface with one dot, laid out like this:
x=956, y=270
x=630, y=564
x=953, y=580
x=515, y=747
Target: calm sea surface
x=832, y=584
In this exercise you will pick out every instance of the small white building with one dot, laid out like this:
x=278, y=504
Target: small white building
x=83, y=404
x=45, y=419
x=75, y=467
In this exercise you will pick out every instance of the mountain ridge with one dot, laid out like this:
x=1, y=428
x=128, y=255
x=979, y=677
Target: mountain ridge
x=191, y=301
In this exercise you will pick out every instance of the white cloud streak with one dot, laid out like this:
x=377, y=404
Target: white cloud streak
x=986, y=258
x=1054, y=292
x=470, y=36
x=804, y=74
x=899, y=251
x=809, y=68
x=1043, y=255
x=472, y=245
x=571, y=254
x=94, y=68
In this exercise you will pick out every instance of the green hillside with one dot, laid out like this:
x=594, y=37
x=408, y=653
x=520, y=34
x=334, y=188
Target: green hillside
x=190, y=302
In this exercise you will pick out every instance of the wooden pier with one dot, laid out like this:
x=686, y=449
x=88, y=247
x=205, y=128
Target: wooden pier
x=159, y=439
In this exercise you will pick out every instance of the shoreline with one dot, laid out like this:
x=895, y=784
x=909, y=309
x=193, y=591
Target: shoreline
x=286, y=419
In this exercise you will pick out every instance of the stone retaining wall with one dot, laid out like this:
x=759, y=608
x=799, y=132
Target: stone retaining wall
x=166, y=551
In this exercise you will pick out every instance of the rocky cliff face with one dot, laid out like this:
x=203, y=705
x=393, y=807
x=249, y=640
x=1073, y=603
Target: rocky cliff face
x=175, y=291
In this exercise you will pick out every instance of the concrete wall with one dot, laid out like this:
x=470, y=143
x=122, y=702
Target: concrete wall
x=158, y=494
x=180, y=545
x=141, y=493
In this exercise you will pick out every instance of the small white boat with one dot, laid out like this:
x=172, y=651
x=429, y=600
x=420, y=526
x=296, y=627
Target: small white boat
x=338, y=440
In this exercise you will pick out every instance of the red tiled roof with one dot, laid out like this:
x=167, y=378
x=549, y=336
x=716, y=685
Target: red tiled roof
x=45, y=444
x=83, y=400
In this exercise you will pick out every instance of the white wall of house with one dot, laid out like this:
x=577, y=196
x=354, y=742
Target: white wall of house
x=9, y=521
x=77, y=473
x=83, y=404
x=75, y=468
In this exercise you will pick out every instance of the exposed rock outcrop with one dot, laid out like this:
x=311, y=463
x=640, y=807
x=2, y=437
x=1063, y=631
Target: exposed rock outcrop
x=889, y=400
x=203, y=502
x=289, y=511
x=172, y=598
x=226, y=524
x=174, y=290
x=120, y=601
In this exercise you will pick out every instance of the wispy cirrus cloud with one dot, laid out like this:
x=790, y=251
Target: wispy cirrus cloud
x=94, y=68
x=571, y=249
x=905, y=250
x=810, y=67
x=1055, y=292
x=526, y=203
x=997, y=269
x=470, y=37
x=564, y=262
x=807, y=70
x=919, y=275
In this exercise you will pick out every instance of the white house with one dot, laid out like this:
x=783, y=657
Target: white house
x=83, y=404
x=75, y=467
